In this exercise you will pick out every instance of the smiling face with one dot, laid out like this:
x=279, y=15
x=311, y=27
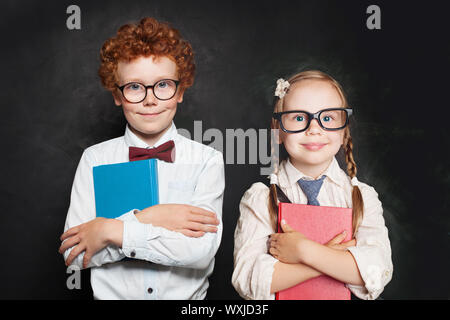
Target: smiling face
x=312, y=150
x=151, y=118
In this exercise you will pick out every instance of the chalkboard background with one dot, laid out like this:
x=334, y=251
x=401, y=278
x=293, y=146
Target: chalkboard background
x=396, y=79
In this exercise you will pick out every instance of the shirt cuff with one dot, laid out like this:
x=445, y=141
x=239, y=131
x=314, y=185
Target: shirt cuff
x=268, y=274
x=136, y=241
x=135, y=235
x=129, y=216
x=374, y=274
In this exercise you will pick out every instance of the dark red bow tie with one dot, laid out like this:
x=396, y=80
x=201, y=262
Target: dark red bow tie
x=165, y=152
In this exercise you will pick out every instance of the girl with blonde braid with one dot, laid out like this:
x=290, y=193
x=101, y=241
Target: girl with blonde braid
x=312, y=116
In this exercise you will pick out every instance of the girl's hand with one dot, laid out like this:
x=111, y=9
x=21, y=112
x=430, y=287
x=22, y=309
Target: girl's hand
x=189, y=220
x=91, y=237
x=335, y=243
x=288, y=246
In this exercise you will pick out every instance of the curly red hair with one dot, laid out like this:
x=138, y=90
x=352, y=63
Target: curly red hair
x=148, y=38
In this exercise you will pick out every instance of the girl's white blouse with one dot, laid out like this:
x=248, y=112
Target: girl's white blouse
x=253, y=265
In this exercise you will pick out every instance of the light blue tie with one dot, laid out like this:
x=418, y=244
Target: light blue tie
x=311, y=188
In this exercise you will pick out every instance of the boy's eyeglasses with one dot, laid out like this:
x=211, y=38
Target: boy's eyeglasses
x=135, y=92
x=331, y=119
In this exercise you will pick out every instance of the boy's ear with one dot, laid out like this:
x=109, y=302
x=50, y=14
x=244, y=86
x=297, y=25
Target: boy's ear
x=117, y=98
x=180, y=95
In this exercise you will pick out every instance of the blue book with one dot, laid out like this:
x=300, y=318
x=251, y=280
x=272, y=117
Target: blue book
x=122, y=187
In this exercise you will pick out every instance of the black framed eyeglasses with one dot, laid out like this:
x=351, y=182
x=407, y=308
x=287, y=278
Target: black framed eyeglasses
x=135, y=92
x=330, y=119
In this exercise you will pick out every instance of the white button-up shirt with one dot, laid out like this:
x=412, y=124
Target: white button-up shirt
x=166, y=264
x=253, y=265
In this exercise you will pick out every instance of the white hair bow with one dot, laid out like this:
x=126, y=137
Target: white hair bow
x=282, y=86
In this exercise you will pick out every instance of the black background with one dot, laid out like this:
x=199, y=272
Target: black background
x=396, y=79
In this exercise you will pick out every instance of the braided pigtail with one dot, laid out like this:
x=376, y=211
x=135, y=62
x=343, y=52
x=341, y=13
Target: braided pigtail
x=357, y=200
x=273, y=196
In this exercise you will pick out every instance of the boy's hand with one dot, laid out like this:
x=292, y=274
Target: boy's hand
x=288, y=246
x=91, y=237
x=189, y=220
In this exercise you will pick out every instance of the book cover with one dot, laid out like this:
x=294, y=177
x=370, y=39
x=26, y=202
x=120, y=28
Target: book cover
x=320, y=224
x=122, y=187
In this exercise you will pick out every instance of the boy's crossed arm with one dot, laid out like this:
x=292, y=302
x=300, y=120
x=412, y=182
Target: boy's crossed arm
x=95, y=235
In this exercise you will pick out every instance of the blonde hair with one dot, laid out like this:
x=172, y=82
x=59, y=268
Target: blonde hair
x=357, y=200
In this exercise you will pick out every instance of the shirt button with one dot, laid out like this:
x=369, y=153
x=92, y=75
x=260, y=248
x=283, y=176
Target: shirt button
x=133, y=254
x=150, y=290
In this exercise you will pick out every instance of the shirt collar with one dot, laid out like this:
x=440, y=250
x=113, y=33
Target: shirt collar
x=134, y=141
x=289, y=175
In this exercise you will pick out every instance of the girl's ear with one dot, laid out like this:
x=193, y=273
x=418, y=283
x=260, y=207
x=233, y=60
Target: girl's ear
x=279, y=140
x=279, y=136
x=343, y=137
x=275, y=129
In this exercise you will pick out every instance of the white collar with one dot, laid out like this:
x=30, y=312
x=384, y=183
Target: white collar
x=289, y=175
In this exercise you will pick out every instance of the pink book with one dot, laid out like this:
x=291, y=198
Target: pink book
x=320, y=224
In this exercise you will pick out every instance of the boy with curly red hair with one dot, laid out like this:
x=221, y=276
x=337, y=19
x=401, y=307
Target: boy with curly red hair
x=147, y=67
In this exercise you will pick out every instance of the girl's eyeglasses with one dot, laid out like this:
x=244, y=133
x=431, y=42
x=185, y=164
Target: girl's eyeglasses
x=330, y=119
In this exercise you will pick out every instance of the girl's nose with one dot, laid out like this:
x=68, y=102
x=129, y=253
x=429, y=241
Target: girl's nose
x=314, y=127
